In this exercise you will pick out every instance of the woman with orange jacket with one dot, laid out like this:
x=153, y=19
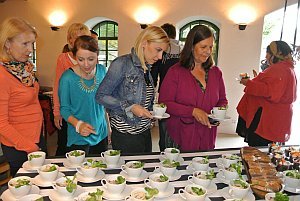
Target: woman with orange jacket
x=20, y=111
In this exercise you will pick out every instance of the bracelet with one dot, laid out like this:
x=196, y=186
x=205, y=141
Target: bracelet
x=78, y=126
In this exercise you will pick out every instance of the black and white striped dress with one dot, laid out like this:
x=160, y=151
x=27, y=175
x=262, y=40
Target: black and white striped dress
x=145, y=123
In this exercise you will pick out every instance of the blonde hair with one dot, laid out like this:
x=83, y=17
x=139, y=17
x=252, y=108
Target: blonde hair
x=10, y=28
x=150, y=34
x=76, y=28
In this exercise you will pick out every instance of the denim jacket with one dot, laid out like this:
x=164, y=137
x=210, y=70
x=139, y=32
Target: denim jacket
x=123, y=86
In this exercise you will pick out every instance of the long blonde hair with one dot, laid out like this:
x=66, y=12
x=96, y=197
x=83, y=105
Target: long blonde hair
x=10, y=28
x=150, y=34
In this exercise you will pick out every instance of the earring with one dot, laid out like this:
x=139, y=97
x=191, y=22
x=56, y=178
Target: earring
x=8, y=51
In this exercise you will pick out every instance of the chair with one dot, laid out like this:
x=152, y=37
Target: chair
x=4, y=171
x=48, y=123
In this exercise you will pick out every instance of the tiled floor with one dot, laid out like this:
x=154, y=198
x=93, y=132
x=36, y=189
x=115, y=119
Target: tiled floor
x=223, y=141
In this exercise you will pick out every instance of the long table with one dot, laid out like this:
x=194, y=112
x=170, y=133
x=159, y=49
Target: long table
x=151, y=161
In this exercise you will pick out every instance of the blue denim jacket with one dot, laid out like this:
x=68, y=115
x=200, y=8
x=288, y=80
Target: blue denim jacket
x=123, y=86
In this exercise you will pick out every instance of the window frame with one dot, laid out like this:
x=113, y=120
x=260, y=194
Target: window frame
x=106, y=38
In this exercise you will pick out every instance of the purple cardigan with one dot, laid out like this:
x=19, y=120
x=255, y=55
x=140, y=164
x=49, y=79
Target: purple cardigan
x=181, y=93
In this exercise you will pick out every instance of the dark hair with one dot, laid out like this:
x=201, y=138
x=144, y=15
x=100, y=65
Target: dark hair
x=66, y=48
x=279, y=51
x=94, y=32
x=86, y=43
x=197, y=33
x=169, y=29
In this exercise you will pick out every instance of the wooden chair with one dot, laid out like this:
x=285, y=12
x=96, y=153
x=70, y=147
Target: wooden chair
x=4, y=171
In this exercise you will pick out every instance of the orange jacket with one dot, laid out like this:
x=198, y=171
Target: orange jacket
x=20, y=113
x=274, y=90
x=63, y=63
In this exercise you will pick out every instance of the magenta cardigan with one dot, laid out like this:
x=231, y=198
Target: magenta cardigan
x=181, y=93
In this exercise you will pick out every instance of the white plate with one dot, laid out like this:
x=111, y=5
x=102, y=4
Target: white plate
x=225, y=193
x=291, y=190
x=174, y=177
x=121, y=196
x=217, y=119
x=179, y=159
x=142, y=177
x=181, y=199
x=26, y=165
x=69, y=165
x=120, y=162
x=55, y=196
x=30, y=197
x=37, y=180
x=223, y=180
x=167, y=193
x=165, y=116
x=8, y=196
x=220, y=177
x=191, y=170
x=100, y=175
x=212, y=188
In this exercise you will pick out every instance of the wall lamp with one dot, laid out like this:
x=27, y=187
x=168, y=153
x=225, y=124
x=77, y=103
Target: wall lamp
x=144, y=26
x=57, y=19
x=242, y=15
x=146, y=15
x=54, y=28
x=242, y=26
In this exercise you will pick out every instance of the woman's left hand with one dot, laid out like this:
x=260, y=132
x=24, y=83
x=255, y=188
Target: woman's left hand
x=201, y=116
x=244, y=81
x=86, y=129
x=140, y=111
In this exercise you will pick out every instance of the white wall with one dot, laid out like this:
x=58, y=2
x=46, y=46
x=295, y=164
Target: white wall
x=239, y=50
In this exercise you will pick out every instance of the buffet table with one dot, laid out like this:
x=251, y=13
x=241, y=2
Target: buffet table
x=151, y=161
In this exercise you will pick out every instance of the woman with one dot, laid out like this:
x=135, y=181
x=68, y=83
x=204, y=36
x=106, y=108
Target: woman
x=20, y=111
x=64, y=62
x=190, y=90
x=127, y=92
x=266, y=108
x=87, y=125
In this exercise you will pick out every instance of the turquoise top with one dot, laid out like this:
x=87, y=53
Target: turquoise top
x=78, y=99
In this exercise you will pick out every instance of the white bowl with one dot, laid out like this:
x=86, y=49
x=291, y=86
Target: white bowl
x=22, y=190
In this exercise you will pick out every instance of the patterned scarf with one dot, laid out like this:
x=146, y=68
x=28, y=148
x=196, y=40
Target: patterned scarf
x=21, y=70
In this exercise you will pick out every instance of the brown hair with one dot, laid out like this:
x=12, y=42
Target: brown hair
x=279, y=51
x=86, y=43
x=197, y=33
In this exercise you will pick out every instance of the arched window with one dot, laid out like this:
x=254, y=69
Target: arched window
x=183, y=32
x=33, y=56
x=107, y=41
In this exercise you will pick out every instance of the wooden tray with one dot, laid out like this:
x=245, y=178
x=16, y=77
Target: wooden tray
x=259, y=193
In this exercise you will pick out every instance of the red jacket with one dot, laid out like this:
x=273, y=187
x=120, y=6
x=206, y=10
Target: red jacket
x=274, y=90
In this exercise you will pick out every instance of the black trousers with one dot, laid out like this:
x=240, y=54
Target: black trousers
x=62, y=138
x=129, y=143
x=162, y=134
x=91, y=150
x=16, y=158
x=249, y=134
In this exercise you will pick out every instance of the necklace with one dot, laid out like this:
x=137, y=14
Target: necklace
x=86, y=88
